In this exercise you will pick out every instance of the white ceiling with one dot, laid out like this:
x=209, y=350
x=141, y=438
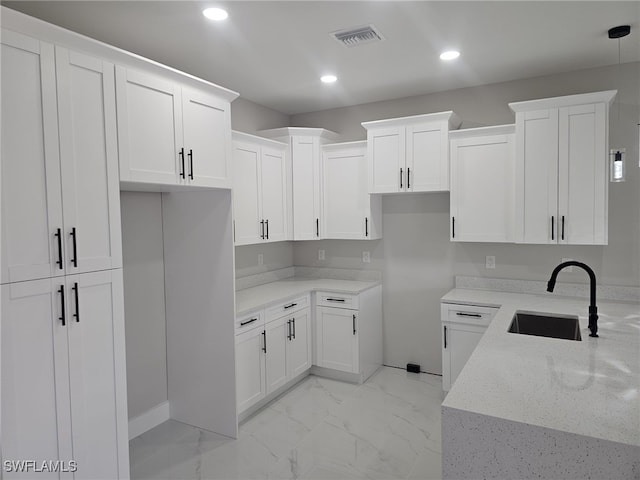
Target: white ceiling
x=273, y=53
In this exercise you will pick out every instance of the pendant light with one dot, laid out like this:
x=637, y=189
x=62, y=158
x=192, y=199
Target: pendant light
x=617, y=155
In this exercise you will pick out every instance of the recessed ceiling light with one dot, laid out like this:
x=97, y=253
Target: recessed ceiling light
x=328, y=78
x=216, y=14
x=449, y=55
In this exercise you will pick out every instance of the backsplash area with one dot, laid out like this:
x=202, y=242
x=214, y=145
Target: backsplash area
x=604, y=292
x=254, y=280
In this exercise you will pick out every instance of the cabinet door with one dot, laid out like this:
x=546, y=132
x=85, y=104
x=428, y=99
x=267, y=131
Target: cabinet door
x=149, y=111
x=274, y=194
x=276, y=333
x=97, y=374
x=537, y=176
x=344, y=195
x=305, y=154
x=247, y=209
x=337, y=339
x=459, y=342
x=427, y=157
x=250, y=368
x=386, y=160
x=31, y=214
x=481, y=188
x=582, y=174
x=89, y=161
x=36, y=423
x=299, y=343
x=207, y=136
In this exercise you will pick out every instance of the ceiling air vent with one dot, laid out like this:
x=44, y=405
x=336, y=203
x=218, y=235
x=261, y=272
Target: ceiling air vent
x=358, y=36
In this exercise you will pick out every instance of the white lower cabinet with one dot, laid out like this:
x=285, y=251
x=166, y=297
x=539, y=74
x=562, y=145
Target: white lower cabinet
x=337, y=339
x=269, y=355
x=250, y=368
x=63, y=374
x=462, y=329
x=348, y=333
x=276, y=353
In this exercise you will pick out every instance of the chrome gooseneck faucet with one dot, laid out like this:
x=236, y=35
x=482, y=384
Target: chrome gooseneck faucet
x=593, y=309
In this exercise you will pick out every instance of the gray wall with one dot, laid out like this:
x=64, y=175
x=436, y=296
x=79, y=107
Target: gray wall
x=144, y=307
x=418, y=261
x=249, y=117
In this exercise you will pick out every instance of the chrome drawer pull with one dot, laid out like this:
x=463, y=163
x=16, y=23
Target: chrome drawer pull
x=462, y=314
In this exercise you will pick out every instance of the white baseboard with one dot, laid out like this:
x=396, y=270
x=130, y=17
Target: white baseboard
x=149, y=419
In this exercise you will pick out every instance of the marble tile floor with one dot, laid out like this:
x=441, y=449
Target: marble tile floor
x=387, y=428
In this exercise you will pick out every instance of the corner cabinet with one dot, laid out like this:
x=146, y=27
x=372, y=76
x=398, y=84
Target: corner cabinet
x=273, y=349
x=349, y=211
x=306, y=179
x=171, y=134
x=348, y=334
x=259, y=190
x=482, y=178
x=409, y=154
x=561, y=169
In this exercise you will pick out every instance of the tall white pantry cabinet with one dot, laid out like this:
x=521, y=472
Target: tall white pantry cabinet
x=62, y=353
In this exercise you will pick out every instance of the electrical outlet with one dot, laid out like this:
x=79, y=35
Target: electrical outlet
x=490, y=262
x=260, y=259
x=567, y=269
x=321, y=255
x=366, y=257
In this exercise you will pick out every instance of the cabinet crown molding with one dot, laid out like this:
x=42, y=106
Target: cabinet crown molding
x=482, y=131
x=340, y=146
x=247, y=137
x=606, y=96
x=449, y=116
x=301, y=131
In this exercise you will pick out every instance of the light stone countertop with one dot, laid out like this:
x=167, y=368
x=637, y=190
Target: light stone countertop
x=590, y=387
x=271, y=293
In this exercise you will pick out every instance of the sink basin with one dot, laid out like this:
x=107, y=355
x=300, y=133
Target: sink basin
x=546, y=325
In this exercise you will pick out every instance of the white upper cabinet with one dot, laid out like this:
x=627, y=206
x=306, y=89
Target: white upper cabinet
x=30, y=161
x=561, y=184
x=349, y=211
x=482, y=178
x=88, y=150
x=59, y=155
x=170, y=134
x=306, y=179
x=409, y=154
x=207, y=136
x=259, y=190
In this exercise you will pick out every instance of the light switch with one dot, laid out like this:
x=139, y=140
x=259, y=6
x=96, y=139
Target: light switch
x=260, y=259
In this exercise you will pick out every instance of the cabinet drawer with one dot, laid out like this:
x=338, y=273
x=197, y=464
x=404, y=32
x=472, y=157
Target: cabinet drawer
x=339, y=300
x=249, y=321
x=286, y=308
x=468, y=314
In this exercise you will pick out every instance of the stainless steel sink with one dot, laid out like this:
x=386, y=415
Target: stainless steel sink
x=546, y=325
